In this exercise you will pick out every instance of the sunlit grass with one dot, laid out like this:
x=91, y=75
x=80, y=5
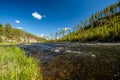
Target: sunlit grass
x=14, y=65
x=8, y=43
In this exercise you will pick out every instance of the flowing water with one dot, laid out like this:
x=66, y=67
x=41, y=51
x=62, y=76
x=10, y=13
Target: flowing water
x=77, y=61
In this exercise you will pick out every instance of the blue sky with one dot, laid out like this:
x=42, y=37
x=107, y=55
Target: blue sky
x=47, y=16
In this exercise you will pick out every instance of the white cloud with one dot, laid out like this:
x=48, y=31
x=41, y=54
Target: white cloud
x=66, y=28
x=19, y=27
x=17, y=21
x=37, y=15
x=42, y=35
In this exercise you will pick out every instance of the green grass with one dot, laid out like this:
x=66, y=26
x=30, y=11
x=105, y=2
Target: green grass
x=7, y=43
x=14, y=65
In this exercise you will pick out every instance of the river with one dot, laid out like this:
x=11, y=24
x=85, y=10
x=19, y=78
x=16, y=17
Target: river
x=77, y=61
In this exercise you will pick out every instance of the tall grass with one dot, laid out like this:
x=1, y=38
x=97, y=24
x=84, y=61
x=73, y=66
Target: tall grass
x=14, y=65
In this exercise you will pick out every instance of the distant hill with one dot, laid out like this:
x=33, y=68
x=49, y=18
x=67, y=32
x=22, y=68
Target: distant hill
x=103, y=26
x=9, y=34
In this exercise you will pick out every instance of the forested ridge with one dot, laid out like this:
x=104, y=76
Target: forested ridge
x=9, y=34
x=103, y=26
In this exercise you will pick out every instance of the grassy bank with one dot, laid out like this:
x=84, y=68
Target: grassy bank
x=14, y=65
x=7, y=43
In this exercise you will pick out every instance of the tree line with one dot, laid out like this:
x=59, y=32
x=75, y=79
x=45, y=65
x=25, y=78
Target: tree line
x=103, y=26
x=9, y=34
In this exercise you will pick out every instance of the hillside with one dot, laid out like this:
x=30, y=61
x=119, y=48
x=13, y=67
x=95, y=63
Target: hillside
x=103, y=26
x=9, y=34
